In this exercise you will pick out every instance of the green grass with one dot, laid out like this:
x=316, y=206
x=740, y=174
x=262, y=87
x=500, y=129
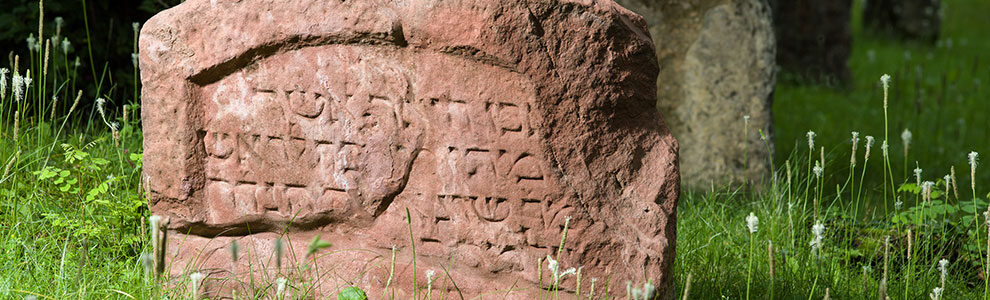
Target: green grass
x=936, y=93
x=72, y=211
x=939, y=94
x=65, y=244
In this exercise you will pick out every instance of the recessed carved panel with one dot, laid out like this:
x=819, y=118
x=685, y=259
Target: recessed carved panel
x=308, y=131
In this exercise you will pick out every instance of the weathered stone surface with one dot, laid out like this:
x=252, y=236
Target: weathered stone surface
x=492, y=122
x=717, y=66
x=814, y=39
x=908, y=19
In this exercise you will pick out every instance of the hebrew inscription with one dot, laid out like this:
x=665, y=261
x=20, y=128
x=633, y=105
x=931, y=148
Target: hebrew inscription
x=316, y=130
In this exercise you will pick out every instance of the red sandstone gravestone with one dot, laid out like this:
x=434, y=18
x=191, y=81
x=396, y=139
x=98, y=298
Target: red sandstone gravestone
x=493, y=122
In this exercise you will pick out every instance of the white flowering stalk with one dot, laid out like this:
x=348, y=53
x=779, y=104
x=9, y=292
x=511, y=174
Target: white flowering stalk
x=936, y=293
x=885, y=80
x=137, y=32
x=869, y=145
x=577, y=287
x=898, y=204
x=17, y=84
x=66, y=46
x=943, y=270
x=746, y=127
x=917, y=176
x=811, y=153
x=194, y=281
x=154, y=222
x=855, y=143
x=770, y=260
x=101, y=108
x=852, y=165
x=569, y=271
x=159, y=240
x=3, y=83
x=31, y=41
x=811, y=140
x=648, y=292
x=280, y=287
x=752, y=222
x=817, y=241
x=147, y=263
x=554, y=268
x=948, y=185
x=430, y=276
x=594, y=280
x=818, y=169
x=100, y=103
x=54, y=105
x=27, y=79
x=10, y=163
x=955, y=181
x=58, y=29
x=75, y=103
x=926, y=190
x=17, y=127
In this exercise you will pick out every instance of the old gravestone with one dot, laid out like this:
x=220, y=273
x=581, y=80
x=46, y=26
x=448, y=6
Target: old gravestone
x=908, y=19
x=495, y=123
x=814, y=39
x=717, y=68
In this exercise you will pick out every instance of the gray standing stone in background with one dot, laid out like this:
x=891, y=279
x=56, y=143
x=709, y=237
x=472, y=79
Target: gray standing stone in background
x=717, y=65
x=908, y=19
